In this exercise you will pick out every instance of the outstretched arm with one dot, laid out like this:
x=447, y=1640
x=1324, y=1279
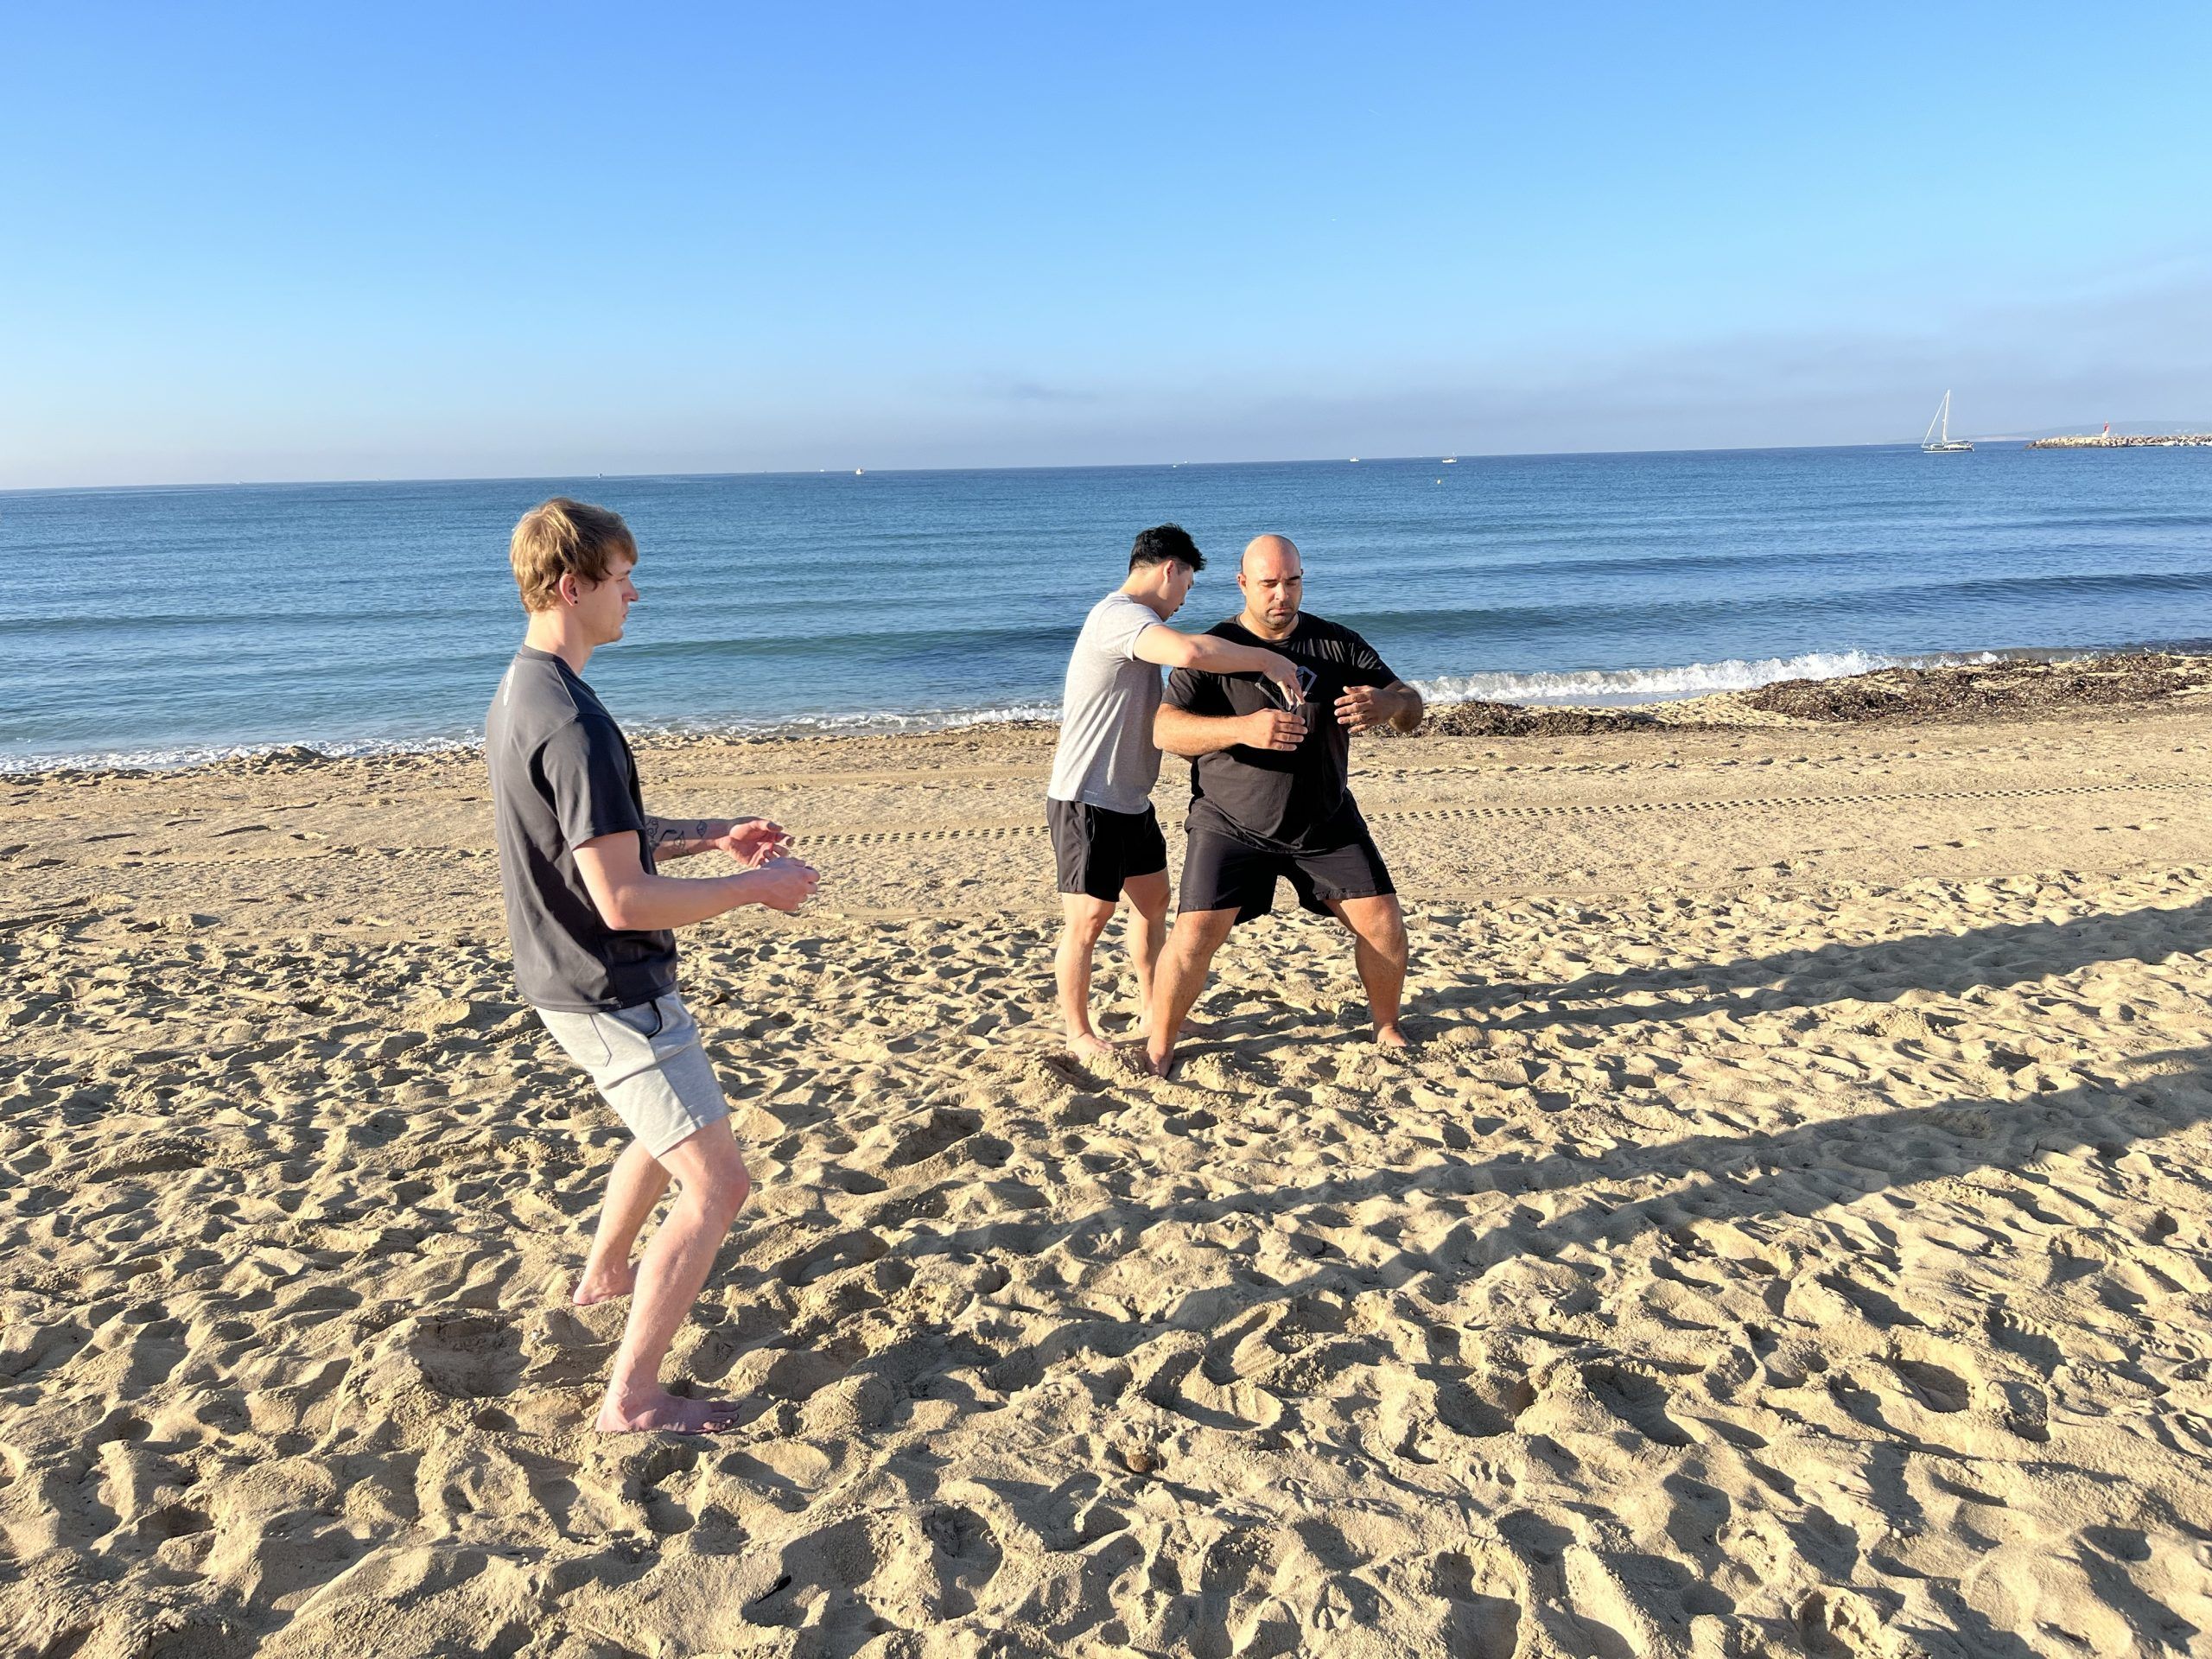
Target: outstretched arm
x=626, y=897
x=1210, y=654
x=1363, y=708
x=1180, y=732
x=749, y=841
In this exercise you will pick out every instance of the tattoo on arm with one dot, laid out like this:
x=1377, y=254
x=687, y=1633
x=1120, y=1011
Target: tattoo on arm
x=677, y=837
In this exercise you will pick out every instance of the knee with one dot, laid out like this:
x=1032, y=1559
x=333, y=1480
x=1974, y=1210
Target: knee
x=1083, y=931
x=1385, y=935
x=721, y=1193
x=1196, y=941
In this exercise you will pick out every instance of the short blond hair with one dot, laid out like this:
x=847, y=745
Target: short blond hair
x=562, y=537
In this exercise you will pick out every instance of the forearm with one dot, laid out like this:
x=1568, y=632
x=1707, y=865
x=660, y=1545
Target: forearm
x=1181, y=732
x=645, y=903
x=1211, y=654
x=682, y=837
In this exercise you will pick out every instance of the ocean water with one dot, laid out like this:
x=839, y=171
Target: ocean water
x=162, y=626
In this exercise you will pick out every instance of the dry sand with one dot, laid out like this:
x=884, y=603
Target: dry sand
x=1791, y=1234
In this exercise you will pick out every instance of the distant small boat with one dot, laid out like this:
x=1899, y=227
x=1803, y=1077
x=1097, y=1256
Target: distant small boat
x=859, y=472
x=1451, y=460
x=1930, y=444
x=1355, y=458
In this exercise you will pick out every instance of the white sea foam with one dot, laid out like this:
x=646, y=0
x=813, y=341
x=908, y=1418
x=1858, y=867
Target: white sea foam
x=1630, y=685
x=873, y=724
x=179, y=757
x=1613, y=686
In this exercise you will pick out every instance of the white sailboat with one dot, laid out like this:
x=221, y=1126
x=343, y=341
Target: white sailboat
x=1930, y=444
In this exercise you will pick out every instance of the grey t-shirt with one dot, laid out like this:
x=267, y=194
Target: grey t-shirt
x=563, y=774
x=1106, y=755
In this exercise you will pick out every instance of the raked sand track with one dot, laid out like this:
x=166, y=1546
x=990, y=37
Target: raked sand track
x=1792, y=1234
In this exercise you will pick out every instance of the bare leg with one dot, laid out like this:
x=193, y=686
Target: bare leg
x=1182, y=976
x=1083, y=920
x=711, y=1187
x=633, y=1187
x=1148, y=896
x=1378, y=928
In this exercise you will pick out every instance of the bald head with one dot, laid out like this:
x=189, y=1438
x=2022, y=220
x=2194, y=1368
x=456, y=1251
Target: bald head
x=1271, y=550
x=1272, y=578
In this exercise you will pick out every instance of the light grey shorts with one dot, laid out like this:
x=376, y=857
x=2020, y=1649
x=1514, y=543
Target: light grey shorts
x=649, y=1064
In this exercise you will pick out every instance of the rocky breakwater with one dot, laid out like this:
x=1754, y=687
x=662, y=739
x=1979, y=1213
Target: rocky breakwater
x=2117, y=441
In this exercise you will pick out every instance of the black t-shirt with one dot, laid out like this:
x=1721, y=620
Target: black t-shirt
x=1297, y=802
x=563, y=774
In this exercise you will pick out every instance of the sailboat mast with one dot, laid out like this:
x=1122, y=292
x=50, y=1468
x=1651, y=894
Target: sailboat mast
x=1947, y=417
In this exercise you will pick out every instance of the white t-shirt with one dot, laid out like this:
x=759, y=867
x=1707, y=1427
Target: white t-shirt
x=1106, y=756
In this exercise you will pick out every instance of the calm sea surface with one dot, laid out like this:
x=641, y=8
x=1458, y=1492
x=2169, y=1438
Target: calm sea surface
x=170, y=624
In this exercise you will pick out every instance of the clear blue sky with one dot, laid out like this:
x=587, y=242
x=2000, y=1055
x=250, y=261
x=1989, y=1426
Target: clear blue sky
x=296, y=241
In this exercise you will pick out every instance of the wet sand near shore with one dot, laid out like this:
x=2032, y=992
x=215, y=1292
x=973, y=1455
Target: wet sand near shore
x=1789, y=1235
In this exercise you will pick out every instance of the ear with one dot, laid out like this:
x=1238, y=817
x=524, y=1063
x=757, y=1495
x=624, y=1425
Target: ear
x=570, y=590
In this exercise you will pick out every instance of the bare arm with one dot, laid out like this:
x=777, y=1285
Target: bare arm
x=626, y=897
x=1180, y=732
x=749, y=841
x=1210, y=654
x=1363, y=708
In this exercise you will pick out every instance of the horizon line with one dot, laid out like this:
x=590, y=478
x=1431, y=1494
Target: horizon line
x=1052, y=467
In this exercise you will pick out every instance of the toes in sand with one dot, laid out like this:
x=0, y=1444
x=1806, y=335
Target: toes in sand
x=604, y=1287
x=667, y=1413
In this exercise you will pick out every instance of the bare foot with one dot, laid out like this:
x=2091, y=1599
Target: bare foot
x=1085, y=1046
x=661, y=1412
x=1159, y=1058
x=604, y=1285
x=1390, y=1036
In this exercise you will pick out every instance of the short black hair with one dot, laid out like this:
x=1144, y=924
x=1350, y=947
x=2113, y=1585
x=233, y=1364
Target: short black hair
x=1162, y=543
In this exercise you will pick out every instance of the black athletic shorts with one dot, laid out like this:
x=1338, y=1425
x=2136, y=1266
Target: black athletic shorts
x=1096, y=850
x=1221, y=873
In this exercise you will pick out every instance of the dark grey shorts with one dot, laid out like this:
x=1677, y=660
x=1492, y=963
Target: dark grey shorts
x=1221, y=873
x=1095, y=851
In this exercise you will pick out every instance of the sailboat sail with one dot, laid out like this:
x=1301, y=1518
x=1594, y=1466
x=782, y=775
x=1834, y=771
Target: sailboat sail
x=1930, y=444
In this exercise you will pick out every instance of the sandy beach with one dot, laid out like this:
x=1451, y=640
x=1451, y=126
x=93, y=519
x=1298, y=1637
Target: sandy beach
x=1793, y=1232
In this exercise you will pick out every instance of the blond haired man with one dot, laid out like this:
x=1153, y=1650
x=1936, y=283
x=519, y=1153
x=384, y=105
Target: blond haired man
x=590, y=918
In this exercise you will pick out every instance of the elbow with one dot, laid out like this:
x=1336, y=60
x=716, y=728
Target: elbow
x=617, y=912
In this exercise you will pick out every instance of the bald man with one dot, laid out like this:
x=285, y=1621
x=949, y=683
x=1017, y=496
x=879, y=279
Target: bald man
x=1270, y=795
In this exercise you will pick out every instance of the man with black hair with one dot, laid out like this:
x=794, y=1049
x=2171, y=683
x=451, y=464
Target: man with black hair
x=1106, y=841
